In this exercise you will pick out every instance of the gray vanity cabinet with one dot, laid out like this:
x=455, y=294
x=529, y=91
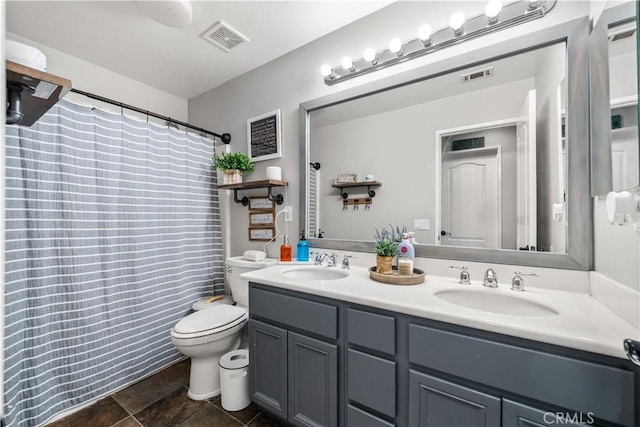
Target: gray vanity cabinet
x=313, y=381
x=437, y=403
x=322, y=362
x=268, y=377
x=294, y=353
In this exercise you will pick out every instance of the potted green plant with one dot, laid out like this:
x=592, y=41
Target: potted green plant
x=387, y=247
x=232, y=165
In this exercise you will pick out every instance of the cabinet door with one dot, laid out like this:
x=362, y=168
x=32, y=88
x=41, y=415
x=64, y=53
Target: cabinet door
x=437, y=403
x=313, y=382
x=516, y=414
x=268, y=366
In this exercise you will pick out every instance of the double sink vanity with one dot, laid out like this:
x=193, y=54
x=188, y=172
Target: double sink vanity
x=330, y=346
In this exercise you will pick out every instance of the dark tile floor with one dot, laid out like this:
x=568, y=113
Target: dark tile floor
x=161, y=400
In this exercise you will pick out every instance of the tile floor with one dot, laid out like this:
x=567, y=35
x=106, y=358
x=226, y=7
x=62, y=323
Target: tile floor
x=161, y=400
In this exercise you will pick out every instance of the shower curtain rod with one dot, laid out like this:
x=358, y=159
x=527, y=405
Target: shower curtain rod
x=225, y=137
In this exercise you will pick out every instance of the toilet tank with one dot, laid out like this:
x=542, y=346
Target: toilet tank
x=237, y=265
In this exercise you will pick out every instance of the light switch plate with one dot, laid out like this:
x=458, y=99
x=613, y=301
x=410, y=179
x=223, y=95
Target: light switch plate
x=421, y=224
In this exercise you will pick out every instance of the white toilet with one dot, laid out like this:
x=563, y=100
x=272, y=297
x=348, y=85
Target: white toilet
x=209, y=333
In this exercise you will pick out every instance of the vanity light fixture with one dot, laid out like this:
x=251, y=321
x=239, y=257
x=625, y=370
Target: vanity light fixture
x=347, y=64
x=395, y=46
x=496, y=17
x=493, y=11
x=370, y=56
x=424, y=34
x=456, y=22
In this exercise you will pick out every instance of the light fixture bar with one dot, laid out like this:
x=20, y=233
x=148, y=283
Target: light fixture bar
x=510, y=15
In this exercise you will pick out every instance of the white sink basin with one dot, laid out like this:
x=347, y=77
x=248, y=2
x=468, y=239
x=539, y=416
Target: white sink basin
x=485, y=300
x=316, y=273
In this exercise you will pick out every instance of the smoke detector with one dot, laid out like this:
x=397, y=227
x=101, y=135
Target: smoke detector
x=172, y=13
x=223, y=36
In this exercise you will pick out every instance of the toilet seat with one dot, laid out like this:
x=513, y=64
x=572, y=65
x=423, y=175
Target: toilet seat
x=210, y=321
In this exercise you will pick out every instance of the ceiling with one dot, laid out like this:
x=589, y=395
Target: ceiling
x=118, y=36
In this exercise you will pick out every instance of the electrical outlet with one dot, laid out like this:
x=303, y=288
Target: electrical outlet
x=288, y=213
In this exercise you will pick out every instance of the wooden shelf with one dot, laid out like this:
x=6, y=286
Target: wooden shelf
x=35, y=105
x=251, y=185
x=367, y=184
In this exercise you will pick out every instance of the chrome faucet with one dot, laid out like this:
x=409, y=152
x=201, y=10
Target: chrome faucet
x=490, y=278
x=517, y=283
x=465, y=277
x=345, y=262
x=321, y=257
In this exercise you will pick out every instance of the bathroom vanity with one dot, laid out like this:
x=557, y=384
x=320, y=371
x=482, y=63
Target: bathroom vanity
x=348, y=351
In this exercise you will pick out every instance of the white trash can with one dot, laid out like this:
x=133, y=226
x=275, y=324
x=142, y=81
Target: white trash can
x=234, y=380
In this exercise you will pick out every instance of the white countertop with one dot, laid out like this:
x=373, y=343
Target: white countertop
x=582, y=322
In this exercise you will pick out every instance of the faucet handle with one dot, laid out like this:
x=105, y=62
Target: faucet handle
x=345, y=261
x=465, y=277
x=517, y=283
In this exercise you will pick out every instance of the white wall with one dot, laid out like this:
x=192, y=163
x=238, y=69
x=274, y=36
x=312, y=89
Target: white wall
x=294, y=78
x=617, y=248
x=100, y=81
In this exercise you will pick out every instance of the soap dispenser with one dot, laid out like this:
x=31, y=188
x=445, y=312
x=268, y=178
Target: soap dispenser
x=303, y=248
x=285, y=249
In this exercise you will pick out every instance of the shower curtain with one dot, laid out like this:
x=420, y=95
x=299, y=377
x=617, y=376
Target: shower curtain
x=112, y=232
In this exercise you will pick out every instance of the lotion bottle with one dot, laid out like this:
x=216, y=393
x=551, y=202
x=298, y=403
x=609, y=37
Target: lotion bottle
x=285, y=249
x=406, y=256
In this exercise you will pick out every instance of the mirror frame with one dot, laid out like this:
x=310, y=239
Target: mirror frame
x=601, y=168
x=575, y=34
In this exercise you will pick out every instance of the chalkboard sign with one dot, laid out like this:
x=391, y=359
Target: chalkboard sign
x=263, y=137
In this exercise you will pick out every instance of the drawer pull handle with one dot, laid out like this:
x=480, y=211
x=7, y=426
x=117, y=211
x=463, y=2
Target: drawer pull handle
x=632, y=348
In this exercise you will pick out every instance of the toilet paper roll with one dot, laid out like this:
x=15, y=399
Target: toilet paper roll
x=274, y=172
x=620, y=207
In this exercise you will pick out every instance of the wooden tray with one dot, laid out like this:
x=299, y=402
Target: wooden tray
x=395, y=279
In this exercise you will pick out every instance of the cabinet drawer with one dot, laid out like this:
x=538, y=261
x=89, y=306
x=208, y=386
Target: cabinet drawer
x=371, y=381
x=564, y=382
x=310, y=316
x=359, y=418
x=373, y=331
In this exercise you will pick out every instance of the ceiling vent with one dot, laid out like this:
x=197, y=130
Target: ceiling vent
x=621, y=35
x=223, y=36
x=479, y=74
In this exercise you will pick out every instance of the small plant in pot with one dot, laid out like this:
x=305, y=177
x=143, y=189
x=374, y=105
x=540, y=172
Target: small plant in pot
x=232, y=165
x=387, y=247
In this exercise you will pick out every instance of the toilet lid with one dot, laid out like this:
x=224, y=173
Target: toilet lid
x=213, y=318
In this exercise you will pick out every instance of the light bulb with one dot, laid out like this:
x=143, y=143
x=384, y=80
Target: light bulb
x=493, y=10
x=395, y=46
x=326, y=70
x=424, y=34
x=370, y=56
x=457, y=23
x=347, y=63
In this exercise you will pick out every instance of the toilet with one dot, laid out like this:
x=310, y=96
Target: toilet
x=215, y=329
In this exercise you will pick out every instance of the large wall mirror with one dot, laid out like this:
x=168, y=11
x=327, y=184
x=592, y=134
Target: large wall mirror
x=474, y=154
x=614, y=93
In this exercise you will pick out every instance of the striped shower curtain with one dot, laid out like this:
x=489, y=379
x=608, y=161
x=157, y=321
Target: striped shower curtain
x=112, y=232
